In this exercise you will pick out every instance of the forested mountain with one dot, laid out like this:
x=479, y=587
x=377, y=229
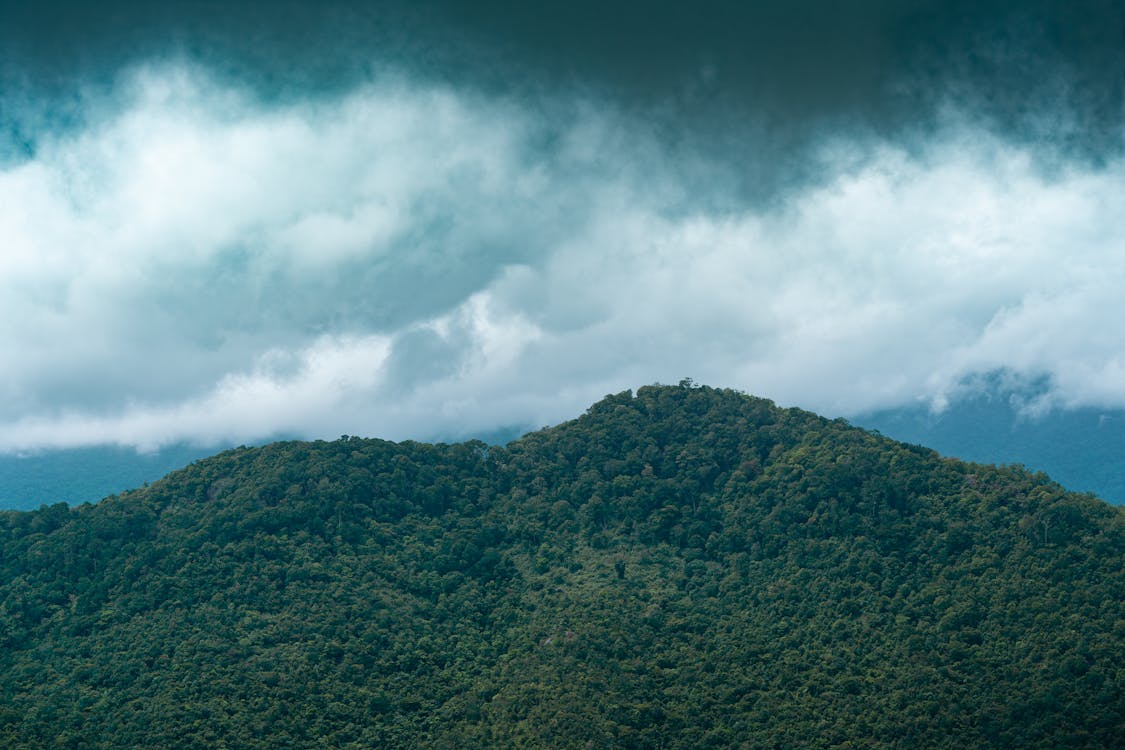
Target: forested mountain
x=680, y=568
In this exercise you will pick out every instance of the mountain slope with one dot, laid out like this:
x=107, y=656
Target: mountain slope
x=683, y=567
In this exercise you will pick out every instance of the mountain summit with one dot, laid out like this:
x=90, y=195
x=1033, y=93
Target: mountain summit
x=683, y=567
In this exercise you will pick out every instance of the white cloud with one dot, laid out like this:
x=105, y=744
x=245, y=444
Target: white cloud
x=410, y=261
x=326, y=378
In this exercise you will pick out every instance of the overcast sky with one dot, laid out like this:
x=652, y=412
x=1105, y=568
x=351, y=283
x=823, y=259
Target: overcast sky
x=224, y=222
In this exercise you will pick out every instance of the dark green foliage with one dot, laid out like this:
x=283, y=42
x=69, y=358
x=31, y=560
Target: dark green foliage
x=685, y=567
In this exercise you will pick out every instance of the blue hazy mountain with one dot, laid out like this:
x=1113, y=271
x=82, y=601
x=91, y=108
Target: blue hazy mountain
x=1082, y=449
x=81, y=475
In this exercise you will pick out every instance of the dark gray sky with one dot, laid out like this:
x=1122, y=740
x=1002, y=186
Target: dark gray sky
x=801, y=63
x=228, y=220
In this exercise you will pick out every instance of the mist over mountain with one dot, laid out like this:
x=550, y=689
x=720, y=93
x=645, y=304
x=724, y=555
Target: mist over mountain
x=679, y=567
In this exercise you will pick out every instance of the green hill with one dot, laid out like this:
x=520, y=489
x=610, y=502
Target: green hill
x=680, y=568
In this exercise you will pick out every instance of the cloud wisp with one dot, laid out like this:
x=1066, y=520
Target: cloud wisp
x=408, y=260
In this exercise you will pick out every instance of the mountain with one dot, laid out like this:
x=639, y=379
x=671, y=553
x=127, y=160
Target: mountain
x=682, y=567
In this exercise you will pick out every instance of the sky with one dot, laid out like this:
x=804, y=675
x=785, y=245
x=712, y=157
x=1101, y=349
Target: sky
x=225, y=222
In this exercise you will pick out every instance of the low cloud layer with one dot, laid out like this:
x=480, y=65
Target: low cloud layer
x=408, y=260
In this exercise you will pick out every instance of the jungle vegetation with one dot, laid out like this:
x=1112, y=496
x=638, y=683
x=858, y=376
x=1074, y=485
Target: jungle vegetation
x=680, y=567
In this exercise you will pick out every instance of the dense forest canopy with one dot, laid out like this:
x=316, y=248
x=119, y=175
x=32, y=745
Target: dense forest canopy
x=682, y=567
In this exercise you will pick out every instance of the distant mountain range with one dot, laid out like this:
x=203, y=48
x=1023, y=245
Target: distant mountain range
x=1082, y=449
x=84, y=475
x=682, y=567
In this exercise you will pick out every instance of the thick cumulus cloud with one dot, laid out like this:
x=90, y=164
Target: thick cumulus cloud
x=407, y=259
